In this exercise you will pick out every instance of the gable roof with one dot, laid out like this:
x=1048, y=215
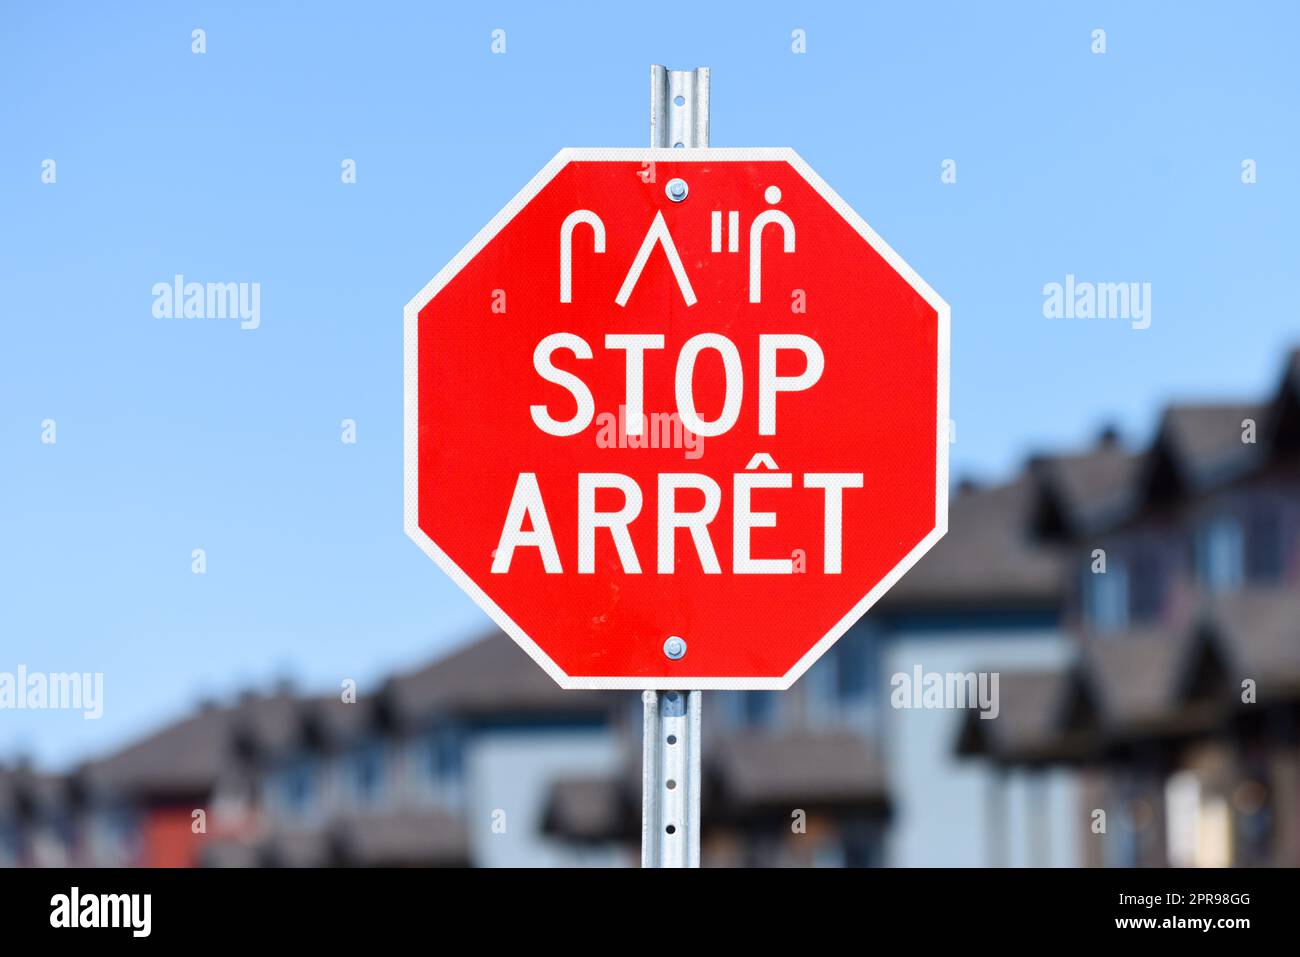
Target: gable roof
x=492, y=675
x=1258, y=632
x=179, y=761
x=26, y=793
x=1283, y=428
x=987, y=559
x=426, y=838
x=1135, y=676
x=1148, y=683
x=1199, y=446
x=760, y=770
x=591, y=809
x=273, y=726
x=1084, y=492
x=745, y=775
x=186, y=758
x=1030, y=725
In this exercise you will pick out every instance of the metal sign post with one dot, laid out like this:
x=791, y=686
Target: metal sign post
x=670, y=749
x=670, y=779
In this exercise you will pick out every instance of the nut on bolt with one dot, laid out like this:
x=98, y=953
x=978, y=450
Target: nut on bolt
x=675, y=648
x=677, y=189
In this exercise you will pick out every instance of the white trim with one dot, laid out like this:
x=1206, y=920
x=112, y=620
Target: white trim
x=486, y=234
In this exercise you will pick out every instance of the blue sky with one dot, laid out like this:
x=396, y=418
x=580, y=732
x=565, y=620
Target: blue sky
x=225, y=166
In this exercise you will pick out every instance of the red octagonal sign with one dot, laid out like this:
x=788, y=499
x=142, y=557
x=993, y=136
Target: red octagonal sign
x=676, y=418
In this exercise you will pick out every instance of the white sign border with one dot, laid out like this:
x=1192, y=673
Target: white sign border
x=411, y=413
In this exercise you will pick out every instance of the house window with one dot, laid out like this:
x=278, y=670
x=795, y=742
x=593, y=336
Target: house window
x=446, y=755
x=1106, y=598
x=757, y=708
x=1265, y=544
x=853, y=667
x=297, y=787
x=1219, y=554
x=115, y=837
x=1146, y=583
x=368, y=773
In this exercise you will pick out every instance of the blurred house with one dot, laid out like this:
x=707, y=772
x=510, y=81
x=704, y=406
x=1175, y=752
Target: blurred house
x=444, y=766
x=152, y=803
x=35, y=826
x=1138, y=607
x=480, y=759
x=1182, y=711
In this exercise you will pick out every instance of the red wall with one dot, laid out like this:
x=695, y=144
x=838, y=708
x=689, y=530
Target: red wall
x=166, y=839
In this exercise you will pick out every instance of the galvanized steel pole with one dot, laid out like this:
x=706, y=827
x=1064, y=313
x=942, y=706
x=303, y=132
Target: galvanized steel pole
x=670, y=779
x=679, y=107
x=670, y=750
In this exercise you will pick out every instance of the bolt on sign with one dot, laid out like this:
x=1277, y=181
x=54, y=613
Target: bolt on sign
x=676, y=418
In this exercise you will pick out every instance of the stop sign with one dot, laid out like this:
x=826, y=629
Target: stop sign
x=676, y=418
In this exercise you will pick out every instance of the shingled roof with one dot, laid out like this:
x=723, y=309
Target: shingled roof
x=1122, y=689
x=1149, y=683
x=746, y=775
x=760, y=770
x=180, y=761
x=1077, y=494
x=325, y=723
x=1284, y=410
x=1197, y=447
x=591, y=809
x=184, y=759
x=987, y=559
x=27, y=793
x=1200, y=446
x=1032, y=724
x=492, y=675
x=425, y=838
x=271, y=727
x=1137, y=677
x=1258, y=632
